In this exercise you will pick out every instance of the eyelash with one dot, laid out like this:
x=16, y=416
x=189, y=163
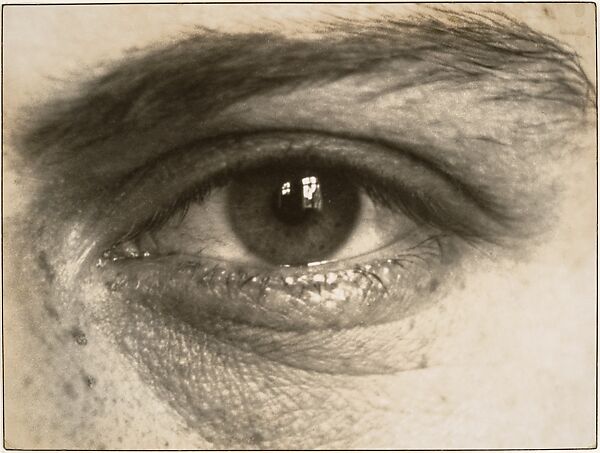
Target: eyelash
x=418, y=206
x=398, y=275
x=372, y=292
x=469, y=213
x=391, y=197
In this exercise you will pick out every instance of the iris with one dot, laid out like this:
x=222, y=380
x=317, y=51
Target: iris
x=293, y=217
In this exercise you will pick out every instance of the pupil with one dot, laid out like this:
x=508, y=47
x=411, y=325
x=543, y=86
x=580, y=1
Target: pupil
x=297, y=200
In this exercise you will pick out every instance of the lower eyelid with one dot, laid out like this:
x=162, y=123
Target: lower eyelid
x=199, y=292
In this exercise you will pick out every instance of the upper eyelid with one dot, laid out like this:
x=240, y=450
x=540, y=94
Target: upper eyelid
x=160, y=174
x=409, y=151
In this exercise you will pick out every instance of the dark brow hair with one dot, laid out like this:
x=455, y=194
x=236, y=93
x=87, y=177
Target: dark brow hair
x=210, y=70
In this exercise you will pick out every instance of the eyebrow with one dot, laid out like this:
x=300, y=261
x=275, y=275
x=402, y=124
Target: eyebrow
x=209, y=71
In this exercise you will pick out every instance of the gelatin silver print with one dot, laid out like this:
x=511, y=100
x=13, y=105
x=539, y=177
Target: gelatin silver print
x=299, y=226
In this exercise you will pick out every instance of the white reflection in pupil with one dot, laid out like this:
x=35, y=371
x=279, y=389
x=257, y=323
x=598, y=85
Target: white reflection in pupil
x=311, y=193
x=297, y=199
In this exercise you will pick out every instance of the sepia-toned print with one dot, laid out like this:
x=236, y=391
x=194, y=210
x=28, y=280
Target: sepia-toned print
x=302, y=226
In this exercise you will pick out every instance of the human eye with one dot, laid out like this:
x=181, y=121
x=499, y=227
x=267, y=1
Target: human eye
x=291, y=238
x=292, y=231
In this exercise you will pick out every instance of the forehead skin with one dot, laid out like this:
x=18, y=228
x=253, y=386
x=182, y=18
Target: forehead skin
x=46, y=48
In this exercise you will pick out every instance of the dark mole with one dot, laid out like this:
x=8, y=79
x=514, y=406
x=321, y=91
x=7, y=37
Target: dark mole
x=45, y=266
x=69, y=390
x=79, y=336
x=90, y=381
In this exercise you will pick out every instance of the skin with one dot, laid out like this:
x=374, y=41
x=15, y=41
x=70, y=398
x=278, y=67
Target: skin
x=508, y=359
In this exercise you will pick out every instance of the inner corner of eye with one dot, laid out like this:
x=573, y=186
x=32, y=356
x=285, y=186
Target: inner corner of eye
x=278, y=216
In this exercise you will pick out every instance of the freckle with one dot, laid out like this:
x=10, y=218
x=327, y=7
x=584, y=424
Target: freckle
x=422, y=362
x=69, y=390
x=433, y=285
x=27, y=381
x=45, y=266
x=51, y=311
x=256, y=437
x=79, y=336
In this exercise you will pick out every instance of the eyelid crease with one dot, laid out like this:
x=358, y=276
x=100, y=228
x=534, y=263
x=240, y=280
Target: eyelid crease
x=305, y=145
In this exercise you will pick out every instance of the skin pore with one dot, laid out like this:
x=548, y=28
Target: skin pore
x=497, y=349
